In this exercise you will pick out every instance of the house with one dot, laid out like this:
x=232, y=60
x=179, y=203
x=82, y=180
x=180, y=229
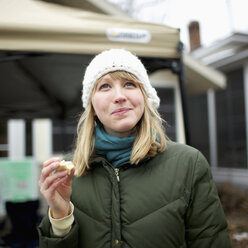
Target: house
x=219, y=118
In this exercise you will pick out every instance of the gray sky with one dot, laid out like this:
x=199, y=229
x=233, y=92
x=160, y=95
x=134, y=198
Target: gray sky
x=218, y=18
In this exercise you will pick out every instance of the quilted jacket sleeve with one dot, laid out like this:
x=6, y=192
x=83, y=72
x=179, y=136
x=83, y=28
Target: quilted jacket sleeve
x=46, y=240
x=206, y=224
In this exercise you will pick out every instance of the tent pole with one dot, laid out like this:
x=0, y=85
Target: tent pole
x=178, y=68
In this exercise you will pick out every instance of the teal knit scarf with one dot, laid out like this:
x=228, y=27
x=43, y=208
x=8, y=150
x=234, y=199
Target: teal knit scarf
x=116, y=150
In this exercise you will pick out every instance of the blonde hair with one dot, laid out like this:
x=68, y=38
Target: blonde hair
x=150, y=136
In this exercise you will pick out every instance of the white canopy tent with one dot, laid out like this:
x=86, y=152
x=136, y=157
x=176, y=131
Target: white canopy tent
x=32, y=25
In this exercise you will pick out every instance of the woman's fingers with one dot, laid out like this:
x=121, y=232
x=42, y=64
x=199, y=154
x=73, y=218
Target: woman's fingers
x=49, y=181
x=51, y=160
x=49, y=193
x=49, y=166
x=49, y=187
x=48, y=169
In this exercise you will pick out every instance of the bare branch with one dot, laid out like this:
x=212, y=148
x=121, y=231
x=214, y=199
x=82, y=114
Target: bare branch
x=150, y=4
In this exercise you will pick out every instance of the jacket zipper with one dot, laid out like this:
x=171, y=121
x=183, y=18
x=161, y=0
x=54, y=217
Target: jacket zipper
x=117, y=174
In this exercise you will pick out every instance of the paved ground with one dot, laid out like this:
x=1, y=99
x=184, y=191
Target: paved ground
x=235, y=205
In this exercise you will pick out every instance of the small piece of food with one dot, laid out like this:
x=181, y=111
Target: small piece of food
x=66, y=165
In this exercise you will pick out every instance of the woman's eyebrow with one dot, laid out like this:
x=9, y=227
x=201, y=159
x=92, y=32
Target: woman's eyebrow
x=127, y=80
x=104, y=81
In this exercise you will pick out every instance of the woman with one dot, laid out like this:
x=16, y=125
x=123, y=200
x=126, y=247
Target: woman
x=133, y=187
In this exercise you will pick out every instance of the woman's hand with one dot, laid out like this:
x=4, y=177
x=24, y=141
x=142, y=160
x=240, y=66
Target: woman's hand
x=56, y=188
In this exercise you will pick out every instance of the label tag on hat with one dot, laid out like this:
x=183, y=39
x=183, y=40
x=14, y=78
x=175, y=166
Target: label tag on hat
x=128, y=35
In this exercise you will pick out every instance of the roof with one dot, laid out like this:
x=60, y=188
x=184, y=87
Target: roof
x=200, y=78
x=229, y=51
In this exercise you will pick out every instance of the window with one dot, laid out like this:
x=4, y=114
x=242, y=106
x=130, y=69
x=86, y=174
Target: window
x=231, y=122
x=167, y=110
x=198, y=123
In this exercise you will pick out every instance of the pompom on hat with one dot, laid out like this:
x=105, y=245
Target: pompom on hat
x=116, y=60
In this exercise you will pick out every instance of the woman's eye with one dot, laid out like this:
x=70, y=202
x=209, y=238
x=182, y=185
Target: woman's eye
x=130, y=84
x=104, y=86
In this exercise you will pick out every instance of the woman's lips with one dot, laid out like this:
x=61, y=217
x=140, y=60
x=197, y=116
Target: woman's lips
x=120, y=111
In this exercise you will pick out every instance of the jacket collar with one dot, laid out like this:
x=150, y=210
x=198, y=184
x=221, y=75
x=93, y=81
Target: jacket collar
x=99, y=160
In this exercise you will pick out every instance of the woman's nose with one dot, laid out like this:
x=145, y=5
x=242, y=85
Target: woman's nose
x=119, y=96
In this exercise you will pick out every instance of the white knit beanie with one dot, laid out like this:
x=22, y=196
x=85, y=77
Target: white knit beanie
x=116, y=60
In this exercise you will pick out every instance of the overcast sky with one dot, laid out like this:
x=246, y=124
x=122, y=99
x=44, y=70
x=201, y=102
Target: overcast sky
x=218, y=18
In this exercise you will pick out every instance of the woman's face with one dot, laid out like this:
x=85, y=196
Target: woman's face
x=118, y=104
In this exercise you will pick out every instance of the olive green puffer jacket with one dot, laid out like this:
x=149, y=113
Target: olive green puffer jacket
x=169, y=201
